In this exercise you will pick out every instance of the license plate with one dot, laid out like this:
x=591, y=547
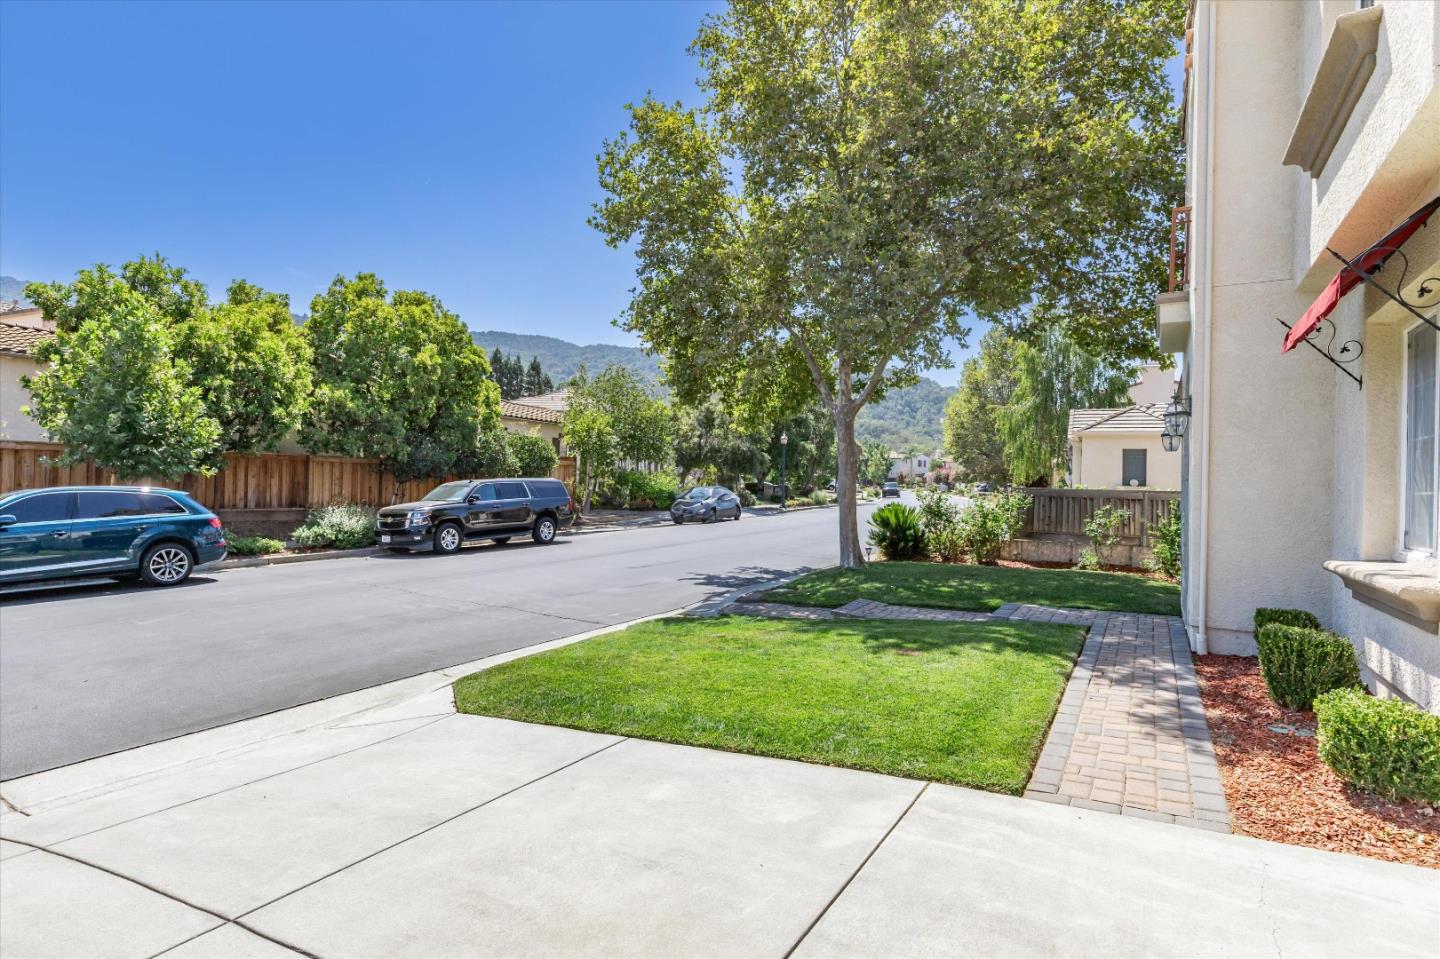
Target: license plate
x=384, y=539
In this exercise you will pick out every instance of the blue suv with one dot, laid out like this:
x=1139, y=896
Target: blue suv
x=158, y=534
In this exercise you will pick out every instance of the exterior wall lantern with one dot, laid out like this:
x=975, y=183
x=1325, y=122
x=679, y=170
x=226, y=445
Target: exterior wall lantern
x=1169, y=441
x=1177, y=417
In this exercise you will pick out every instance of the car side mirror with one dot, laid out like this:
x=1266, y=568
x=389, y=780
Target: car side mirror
x=472, y=499
x=7, y=520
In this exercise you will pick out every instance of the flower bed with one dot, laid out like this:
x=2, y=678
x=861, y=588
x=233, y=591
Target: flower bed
x=1277, y=787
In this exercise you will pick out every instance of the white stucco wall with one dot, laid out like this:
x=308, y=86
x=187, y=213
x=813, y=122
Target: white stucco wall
x=550, y=431
x=1097, y=459
x=15, y=425
x=1296, y=463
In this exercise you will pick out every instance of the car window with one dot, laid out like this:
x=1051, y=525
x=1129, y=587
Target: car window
x=40, y=508
x=486, y=493
x=722, y=491
x=160, y=503
x=109, y=504
x=512, y=490
x=699, y=492
x=446, y=493
x=548, y=488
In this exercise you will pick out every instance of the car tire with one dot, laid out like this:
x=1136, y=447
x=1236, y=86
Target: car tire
x=738, y=513
x=166, y=564
x=678, y=521
x=545, y=529
x=448, y=538
x=501, y=540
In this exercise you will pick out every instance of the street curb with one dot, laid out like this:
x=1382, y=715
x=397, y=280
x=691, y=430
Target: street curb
x=275, y=560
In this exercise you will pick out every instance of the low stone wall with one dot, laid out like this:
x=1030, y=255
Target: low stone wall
x=1067, y=549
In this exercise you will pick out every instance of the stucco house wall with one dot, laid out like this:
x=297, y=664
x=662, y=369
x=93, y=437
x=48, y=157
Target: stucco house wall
x=1288, y=463
x=1097, y=459
x=14, y=423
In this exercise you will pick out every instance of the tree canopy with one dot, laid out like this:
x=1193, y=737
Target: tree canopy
x=862, y=176
x=972, y=436
x=613, y=417
x=397, y=378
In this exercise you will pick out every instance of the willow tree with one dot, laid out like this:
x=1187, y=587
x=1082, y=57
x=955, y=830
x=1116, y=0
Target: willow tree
x=862, y=175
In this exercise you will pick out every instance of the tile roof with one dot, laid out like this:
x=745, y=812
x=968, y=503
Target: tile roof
x=559, y=400
x=21, y=340
x=535, y=414
x=1129, y=419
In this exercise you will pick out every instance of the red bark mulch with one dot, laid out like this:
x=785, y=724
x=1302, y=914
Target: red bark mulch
x=1277, y=787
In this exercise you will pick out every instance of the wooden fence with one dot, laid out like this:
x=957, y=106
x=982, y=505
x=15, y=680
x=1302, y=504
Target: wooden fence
x=268, y=481
x=1066, y=510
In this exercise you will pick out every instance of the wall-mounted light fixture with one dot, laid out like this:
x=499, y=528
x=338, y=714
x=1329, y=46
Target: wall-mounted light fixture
x=1177, y=416
x=1169, y=441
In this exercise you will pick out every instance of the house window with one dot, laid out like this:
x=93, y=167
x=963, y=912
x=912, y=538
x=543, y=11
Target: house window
x=1132, y=467
x=1421, y=418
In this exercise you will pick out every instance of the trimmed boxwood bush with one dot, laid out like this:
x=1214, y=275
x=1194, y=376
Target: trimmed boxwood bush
x=895, y=528
x=1299, y=664
x=1387, y=746
x=1285, y=617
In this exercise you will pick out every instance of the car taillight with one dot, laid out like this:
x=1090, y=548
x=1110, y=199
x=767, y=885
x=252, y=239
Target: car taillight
x=215, y=521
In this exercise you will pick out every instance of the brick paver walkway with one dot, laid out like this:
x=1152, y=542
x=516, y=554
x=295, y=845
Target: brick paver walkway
x=1129, y=736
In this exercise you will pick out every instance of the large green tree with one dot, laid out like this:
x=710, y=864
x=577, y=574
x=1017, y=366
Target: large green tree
x=116, y=393
x=972, y=436
x=1052, y=376
x=708, y=437
x=864, y=174
x=397, y=378
x=245, y=359
x=611, y=417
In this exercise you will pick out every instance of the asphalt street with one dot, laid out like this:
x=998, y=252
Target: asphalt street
x=91, y=670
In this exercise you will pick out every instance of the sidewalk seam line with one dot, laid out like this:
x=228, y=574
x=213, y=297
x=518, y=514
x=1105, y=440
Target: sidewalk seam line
x=431, y=828
x=224, y=920
x=851, y=878
x=251, y=782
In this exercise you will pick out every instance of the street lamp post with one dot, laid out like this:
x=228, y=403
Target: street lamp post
x=784, y=482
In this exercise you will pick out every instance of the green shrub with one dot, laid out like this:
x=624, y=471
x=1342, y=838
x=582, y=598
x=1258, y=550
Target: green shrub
x=747, y=498
x=1285, y=617
x=341, y=526
x=531, y=453
x=990, y=522
x=253, y=545
x=1299, y=664
x=895, y=528
x=1089, y=559
x=632, y=489
x=821, y=498
x=1165, y=544
x=1384, y=745
x=940, y=521
x=1103, y=528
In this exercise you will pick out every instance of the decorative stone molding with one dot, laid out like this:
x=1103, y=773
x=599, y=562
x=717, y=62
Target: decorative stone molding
x=1403, y=590
x=1345, y=68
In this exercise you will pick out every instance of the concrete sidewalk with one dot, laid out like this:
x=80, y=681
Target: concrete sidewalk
x=381, y=824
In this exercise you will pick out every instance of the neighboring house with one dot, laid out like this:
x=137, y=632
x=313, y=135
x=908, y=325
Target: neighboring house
x=904, y=467
x=1122, y=446
x=21, y=331
x=544, y=414
x=1310, y=476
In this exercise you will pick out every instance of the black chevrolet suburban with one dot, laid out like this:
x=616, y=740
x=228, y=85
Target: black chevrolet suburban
x=496, y=509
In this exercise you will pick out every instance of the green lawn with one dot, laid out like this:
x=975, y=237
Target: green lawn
x=981, y=588
x=965, y=703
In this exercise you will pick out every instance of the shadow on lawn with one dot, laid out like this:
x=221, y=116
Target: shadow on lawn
x=753, y=576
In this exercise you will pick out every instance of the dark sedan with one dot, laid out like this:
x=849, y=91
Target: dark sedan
x=161, y=535
x=705, y=503
x=890, y=489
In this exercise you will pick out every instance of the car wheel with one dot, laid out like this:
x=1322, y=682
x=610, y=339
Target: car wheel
x=501, y=540
x=738, y=513
x=166, y=564
x=448, y=539
x=678, y=521
x=544, y=530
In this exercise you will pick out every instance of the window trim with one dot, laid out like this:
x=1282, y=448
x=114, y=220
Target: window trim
x=1402, y=552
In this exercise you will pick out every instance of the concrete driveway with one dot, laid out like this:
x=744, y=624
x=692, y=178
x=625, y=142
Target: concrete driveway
x=88, y=671
x=381, y=824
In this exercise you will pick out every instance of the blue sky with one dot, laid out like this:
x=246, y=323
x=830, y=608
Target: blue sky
x=448, y=147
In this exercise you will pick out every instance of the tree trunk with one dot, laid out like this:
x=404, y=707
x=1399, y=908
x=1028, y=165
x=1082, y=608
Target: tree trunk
x=847, y=467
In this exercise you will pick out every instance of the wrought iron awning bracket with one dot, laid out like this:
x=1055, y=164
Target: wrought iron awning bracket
x=1324, y=351
x=1424, y=291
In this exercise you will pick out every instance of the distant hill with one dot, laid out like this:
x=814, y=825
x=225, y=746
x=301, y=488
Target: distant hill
x=561, y=358
x=13, y=289
x=905, y=417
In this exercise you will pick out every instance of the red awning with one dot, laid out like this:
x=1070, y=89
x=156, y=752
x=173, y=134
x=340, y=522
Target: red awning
x=1350, y=276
